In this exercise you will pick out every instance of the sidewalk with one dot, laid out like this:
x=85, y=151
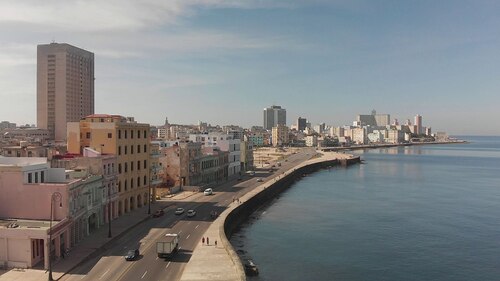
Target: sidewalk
x=91, y=244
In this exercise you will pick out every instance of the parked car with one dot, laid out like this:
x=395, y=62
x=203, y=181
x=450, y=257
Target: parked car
x=252, y=173
x=191, y=213
x=179, y=211
x=259, y=180
x=208, y=191
x=158, y=213
x=132, y=255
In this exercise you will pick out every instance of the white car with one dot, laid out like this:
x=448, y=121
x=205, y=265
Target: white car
x=179, y=211
x=208, y=191
x=259, y=180
x=191, y=213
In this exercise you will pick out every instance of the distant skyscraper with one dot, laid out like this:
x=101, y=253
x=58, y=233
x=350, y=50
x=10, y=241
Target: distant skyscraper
x=273, y=116
x=65, y=87
x=301, y=124
x=418, y=123
x=374, y=119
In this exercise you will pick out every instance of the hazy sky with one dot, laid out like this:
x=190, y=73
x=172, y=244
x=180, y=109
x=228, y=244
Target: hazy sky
x=222, y=62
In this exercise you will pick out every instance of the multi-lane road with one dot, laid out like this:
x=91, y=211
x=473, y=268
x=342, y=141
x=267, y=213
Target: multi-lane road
x=111, y=265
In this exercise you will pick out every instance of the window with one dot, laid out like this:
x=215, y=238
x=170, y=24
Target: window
x=126, y=150
x=131, y=166
x=131, y=149
x=119, y=168
x=30, y=179
x=131, y=134
x=145, y=180
x=145, y=164
x=87, y=135
x=42, y=176
x=125, y=134
x=138, y=148
x=36, y=177
x=145, y=134
x=110, y=135
x=119, y=134
x=126, y=186
x=132, y=183
x=138, y=134
x=119, y=186
x=119, y=150
x=126, y=167
x=138, y=181
x=138, y=165
x=145, y=148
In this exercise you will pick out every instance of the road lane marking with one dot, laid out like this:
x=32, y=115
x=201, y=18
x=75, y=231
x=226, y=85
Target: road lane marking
x=104, y=274
x=144, y=274
x=196, y=226
x=167, y=265
x=188, y=236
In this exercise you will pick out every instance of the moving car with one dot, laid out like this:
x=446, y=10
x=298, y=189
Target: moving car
x=208, y=191
x=132, y=255
x=191, y=213
x=179, y=211
x=259, y=180
x=158, y=213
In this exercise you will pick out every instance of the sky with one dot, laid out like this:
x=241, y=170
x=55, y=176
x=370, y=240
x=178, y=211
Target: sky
x=223, y=62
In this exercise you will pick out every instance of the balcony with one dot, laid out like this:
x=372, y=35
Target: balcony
x=155, y=169
x=155, y=154
x=155, y=181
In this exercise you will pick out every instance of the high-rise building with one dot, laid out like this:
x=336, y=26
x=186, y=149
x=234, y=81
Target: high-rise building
x=273, y=116
x=418, y=124
x=65, y=87
x=301, y=124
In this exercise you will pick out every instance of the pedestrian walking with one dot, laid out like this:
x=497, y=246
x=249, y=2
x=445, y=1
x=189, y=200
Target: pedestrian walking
x=208, y=243
x=202, y=240
x=215, y=243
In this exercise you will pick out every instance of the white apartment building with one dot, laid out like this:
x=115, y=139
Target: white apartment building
x=226, y=143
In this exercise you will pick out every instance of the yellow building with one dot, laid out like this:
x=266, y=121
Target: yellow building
x=129, y=141
x=280, y=135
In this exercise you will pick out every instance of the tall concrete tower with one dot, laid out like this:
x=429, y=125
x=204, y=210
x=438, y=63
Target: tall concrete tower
x=65, y=87
x=273, y=116
x=418, y=124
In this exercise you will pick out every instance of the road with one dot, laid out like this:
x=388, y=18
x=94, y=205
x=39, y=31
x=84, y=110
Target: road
x=111, y=265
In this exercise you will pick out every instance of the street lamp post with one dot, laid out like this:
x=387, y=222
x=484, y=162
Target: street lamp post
x=56, y=196
x=149, y=199
x=109, y=212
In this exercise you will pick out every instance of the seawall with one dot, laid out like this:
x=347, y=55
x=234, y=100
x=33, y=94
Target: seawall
x=221, y=262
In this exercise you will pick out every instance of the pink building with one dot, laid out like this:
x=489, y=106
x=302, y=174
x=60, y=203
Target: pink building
x=41, y=204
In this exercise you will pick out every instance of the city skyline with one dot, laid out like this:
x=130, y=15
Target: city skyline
x=323, y=61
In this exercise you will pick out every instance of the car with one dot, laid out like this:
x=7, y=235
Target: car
x=179, y=211
x=208, y=191
x=259, y=180
x=252, y=173
x=132, y=255
x=191, y=213
x=158, y=213
x=250, y=268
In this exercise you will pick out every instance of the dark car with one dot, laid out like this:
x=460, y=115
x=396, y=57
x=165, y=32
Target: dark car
x=132, y=255
x=158, y=213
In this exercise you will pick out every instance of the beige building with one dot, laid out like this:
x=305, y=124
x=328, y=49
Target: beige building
x=65, y=87
x=129, y=141
x=280, y=135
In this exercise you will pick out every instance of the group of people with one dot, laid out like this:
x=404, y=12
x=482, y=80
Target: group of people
x=237, y=200
x=208, y=241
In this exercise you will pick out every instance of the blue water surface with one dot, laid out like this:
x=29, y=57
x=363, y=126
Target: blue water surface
x=428, y=212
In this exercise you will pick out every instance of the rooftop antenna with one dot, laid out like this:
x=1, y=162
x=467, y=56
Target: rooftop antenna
x=53, y=40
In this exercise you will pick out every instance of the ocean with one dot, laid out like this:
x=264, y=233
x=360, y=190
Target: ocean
x=429, y=212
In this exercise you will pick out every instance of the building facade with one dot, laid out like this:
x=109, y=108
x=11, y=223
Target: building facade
x=65, y=87
x=129, y=141
x=273, y=116
x=280, y=135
